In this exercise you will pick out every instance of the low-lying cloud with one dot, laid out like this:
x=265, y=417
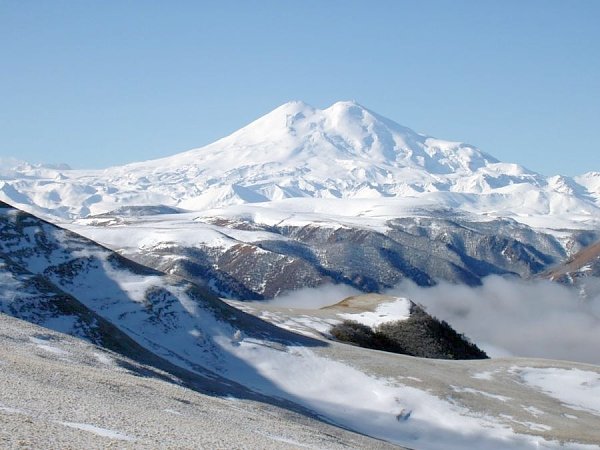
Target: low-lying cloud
x=314, y=298
x=512, y=317
x=504, y=316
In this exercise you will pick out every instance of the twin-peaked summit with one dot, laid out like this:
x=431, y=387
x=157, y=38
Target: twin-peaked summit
x=296, y=150
x=346, y=133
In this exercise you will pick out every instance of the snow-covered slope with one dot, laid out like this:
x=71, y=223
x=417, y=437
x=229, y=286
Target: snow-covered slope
x=54, y=277
x=60, y=392
x=343, y=152
x=591, y=182
x=186, y=327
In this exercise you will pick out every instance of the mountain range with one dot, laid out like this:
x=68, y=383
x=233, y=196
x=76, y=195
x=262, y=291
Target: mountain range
x=151, y=268
x=306, y=197
x=296, y=151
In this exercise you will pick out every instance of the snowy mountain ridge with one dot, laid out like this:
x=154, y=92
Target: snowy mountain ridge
x=343, y=152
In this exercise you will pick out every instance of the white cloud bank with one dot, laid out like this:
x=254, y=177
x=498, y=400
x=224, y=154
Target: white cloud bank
x=518, y=317
x=315, y=298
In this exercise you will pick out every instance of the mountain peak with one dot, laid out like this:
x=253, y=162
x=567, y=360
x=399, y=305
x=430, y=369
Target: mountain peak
x=347, y=110
x=293, y=106
x=346, y=104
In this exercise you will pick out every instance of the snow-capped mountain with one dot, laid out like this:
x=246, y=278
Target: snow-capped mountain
x=343, y=152
x=290, y=193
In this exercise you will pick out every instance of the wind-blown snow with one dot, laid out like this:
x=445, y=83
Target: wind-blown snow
x=578, y=389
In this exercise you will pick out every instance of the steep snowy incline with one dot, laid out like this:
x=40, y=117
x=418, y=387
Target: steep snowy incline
x=50, y=275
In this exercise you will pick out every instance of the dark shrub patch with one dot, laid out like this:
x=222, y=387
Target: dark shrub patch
x=354, y=332
x=420, y=335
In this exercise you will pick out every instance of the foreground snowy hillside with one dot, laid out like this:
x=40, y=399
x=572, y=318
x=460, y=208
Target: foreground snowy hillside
x=343, y=152
x=419, y=403
x=61, y=392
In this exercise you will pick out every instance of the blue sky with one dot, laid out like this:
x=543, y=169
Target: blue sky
x=100, y=83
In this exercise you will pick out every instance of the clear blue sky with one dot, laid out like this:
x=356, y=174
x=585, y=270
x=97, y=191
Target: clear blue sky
x=100, y=83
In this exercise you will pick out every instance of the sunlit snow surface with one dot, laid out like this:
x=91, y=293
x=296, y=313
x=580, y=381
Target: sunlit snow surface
x=378, y=407
x=399, y=309
x=576, y=388
x=343, y=161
